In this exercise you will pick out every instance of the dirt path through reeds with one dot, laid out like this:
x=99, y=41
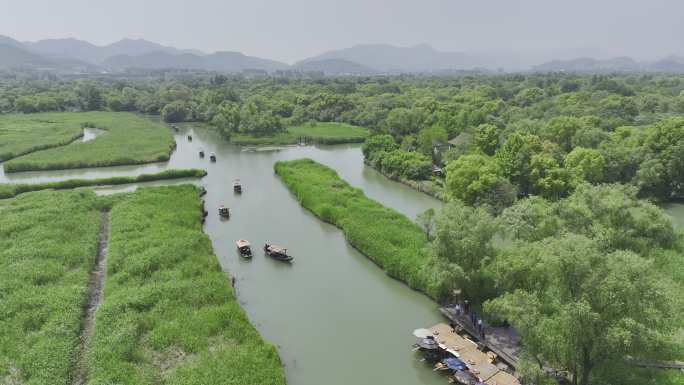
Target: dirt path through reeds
x=95, y=286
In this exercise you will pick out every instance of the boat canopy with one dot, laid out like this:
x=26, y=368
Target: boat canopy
x=427, y=343
x=277, y=249
x=422, y=333
x=242, y=243
x=454, y=363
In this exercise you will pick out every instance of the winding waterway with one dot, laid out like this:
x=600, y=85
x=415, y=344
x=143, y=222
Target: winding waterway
x=335, y=316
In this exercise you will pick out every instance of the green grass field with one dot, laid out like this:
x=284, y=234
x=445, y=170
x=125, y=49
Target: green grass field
x=128, y=139
x=12, y=190
x=48, y=242
x=23, y=134
x=387, y=237
x=169, y=315
x=321, y=133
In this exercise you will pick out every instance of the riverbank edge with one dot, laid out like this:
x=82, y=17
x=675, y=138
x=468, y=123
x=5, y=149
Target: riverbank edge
x=12, y=190
x=416, y=185
x=48, y=146
x=426, y=269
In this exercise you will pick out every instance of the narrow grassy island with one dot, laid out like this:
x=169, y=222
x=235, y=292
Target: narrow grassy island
x=317, y=132
x=12, y=190
x=22, y=134
x=387, y=237
x=127, y=139
x=48, y=242
x=169, y=315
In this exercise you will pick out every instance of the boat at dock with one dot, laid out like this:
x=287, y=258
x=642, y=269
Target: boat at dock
x=190, y=138
x=237, y=186
x=277, y=252
x=212, y=157
x=244, y=248
x=224, y=211
x=465, y=361
x=201, y=153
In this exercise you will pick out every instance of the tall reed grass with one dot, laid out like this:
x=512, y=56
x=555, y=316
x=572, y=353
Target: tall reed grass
x=128, y=139
x=48, y=243
x=387, y=237
x=169, y=315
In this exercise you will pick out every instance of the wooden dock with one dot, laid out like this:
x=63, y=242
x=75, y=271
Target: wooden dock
x=478, y=362
x=504, y=341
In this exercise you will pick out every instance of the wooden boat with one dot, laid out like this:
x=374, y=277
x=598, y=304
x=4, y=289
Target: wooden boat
x=224, y=211
x=190, y=138
x=277, y=252
x=237, y=186
x=212, y=157
x=244, y=248
x=201, y=153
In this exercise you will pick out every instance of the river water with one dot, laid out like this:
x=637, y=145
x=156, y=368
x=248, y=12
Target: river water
x=335, y=316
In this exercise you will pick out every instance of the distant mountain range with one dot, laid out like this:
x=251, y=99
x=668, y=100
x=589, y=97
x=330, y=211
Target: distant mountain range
x=78, y=56
x=674, y=64
x=392, y=59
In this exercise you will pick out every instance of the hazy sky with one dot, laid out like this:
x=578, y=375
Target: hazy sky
x=289, y=30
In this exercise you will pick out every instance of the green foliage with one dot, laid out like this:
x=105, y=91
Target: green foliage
x=44, y=283
x=175, y=112
x=378, y=143
x=562, y=130
x=426, y=220
x=580, y=309
x=463, y=242
x=487, y=138
x=662, y=172
x=128, y=139
x=515, y=157
x=403, y=164
x=383, y=153
x=390, y=239
x=531, y=219
x=585, y=164
x=431, y=138
x=614, y=215
x=548, y=179
x=168, y=314
x=12, y=190
x=472, y=177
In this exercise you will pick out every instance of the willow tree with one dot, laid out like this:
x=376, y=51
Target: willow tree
x=581, y=309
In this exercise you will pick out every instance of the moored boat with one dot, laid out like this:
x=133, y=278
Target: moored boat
x=201, y=153
x=237, y=186
x=277, y=252
x=212, y=157
x=224, y=211
x=244, y=248
x=190, y=138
